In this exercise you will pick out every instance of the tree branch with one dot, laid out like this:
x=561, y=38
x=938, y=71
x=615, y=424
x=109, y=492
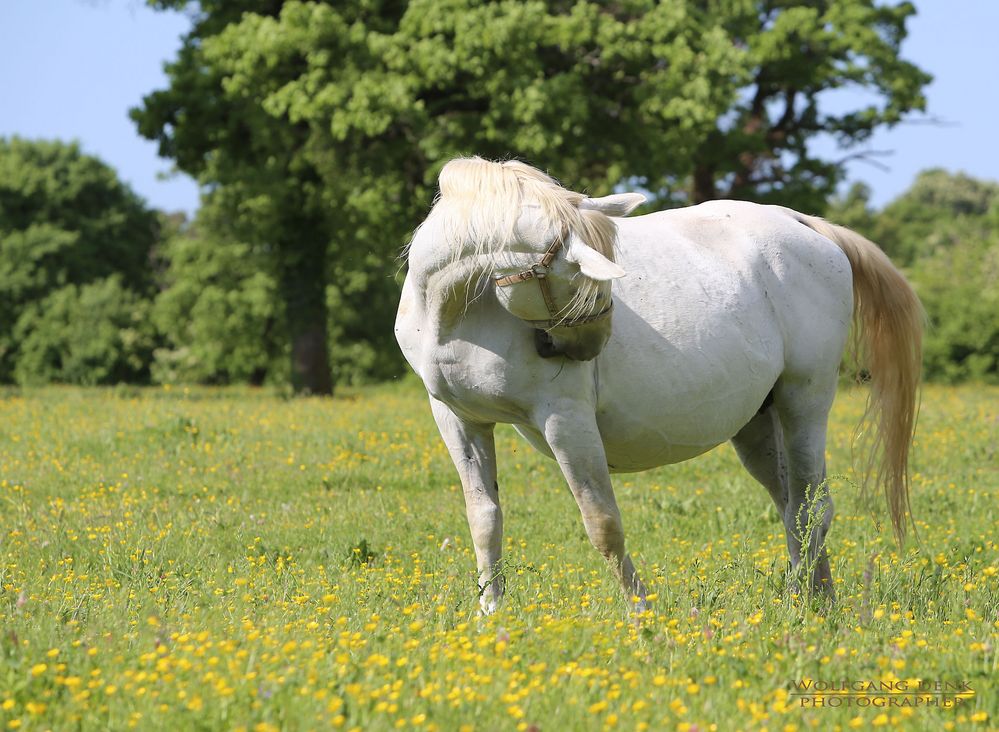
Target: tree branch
x=867, y=156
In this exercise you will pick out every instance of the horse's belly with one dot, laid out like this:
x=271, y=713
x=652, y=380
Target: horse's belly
x=648, y=451
x=644, y=452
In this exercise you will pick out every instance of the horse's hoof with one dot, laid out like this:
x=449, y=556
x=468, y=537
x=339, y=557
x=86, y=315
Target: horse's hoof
x=488, y=607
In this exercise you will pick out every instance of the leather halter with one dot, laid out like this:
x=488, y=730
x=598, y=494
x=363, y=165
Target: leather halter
x=539, y=272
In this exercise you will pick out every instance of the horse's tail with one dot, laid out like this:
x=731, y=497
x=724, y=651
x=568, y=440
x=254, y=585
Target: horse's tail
x=888, y=335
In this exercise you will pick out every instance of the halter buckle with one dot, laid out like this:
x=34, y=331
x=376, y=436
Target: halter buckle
x=540, y=270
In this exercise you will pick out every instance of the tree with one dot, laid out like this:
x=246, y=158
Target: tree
x=71, y=234
x=959, y=287
x=95, y=333
x=794, y=53
x=854, y=211
x=218, y=311
x=937, y=210
x=320, y=127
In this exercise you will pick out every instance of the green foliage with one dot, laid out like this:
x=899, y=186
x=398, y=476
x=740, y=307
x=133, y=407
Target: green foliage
x=97, y=333
x=71, y=234
x=938, y=210
x=854, y=211
x=361, y=298
x=320, y=127
x=219, y=313
x=960, y=288
x=794, y=53
x=54, y=184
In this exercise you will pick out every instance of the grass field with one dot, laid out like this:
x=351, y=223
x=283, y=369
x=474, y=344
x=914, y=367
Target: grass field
x=227, y=559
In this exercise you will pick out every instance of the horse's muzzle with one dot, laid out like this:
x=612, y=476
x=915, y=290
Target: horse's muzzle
x=580, y=344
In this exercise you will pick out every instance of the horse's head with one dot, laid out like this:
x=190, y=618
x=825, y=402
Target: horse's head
x=548, y=250
x=557, y=274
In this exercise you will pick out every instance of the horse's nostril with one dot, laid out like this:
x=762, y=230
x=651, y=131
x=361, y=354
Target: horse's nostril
x=544, y=345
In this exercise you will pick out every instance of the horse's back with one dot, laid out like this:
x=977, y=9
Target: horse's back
x=737, y=267
x=720, y=300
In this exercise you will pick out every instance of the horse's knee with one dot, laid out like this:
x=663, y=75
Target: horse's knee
x=606, y=534
x=485, y=521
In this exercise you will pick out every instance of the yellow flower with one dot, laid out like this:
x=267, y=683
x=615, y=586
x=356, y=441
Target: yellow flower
x=597, y=707
x=39, y=668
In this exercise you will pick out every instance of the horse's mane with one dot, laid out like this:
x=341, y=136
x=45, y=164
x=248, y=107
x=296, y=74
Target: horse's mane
x=480, y=202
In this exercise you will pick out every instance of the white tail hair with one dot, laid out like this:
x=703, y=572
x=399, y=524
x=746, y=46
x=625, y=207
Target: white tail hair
x=888, y=333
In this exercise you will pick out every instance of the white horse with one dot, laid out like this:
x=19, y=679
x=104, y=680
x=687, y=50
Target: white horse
x=730, y=325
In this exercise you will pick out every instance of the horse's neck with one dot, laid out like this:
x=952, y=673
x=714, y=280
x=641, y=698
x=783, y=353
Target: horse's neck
x=450, y=287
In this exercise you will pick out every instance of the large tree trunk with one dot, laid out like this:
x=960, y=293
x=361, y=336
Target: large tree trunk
x=303, y=283
x=310, y=366
x=703, y=185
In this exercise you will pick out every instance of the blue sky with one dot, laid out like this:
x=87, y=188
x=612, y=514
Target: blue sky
x=70, y=69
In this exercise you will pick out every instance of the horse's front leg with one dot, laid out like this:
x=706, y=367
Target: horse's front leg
x=575, y=440
x=473, y=451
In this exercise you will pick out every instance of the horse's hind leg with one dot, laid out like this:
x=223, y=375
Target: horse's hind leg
x=803, y=406
x=760, y=447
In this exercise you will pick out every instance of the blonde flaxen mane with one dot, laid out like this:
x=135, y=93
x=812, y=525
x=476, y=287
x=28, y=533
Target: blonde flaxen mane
x=480, y=202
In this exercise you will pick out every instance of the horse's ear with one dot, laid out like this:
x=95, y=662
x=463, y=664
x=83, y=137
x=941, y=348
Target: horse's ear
x=617, y=204
x=592, y=263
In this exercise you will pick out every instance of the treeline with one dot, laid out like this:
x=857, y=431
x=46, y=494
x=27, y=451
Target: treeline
x=95, y=288
x=317, y=128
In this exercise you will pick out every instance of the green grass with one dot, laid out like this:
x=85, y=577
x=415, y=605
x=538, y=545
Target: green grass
x=221, y=559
